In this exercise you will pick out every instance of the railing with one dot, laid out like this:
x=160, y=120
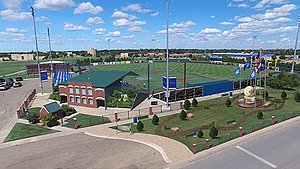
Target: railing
x=25, y=105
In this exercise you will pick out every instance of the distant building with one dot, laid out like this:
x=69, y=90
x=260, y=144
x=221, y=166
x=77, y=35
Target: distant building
x=92, y=52
x=32, y=69
x=22, y=57
x=124, y=55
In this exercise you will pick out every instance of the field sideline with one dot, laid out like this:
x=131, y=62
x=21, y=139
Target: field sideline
x=195, y=73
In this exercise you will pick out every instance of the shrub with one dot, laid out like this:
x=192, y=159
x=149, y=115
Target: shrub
x=260, y=115
x=228, y=103
x=183, y=115
x=140, y=126
x=265, y=94
x=187, y=105
x=195, y=102
x=47, y=118
x=283, y=95
x=68, y=110
x=297, y=97
x=155, y=120
x=33, y=117
x=55, y=96
x=200, y=134
x=213, y=133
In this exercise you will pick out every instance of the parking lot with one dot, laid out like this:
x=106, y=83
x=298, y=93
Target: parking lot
x=12, y=98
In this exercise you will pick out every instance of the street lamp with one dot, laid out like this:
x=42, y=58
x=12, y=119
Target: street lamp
x=167, y=19
x=37, y=49
x=296, y=43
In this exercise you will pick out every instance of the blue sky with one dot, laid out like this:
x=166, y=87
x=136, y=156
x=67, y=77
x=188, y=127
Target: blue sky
x=79, y=25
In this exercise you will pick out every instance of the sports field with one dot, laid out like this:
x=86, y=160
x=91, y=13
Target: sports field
x=196, y=72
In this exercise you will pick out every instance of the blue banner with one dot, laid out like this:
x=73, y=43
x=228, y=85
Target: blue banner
x=237, y=72
x=172, y=82
x=44, y=75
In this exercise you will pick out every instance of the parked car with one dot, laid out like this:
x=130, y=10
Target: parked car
x=4, y=86
x=17, y=84
x=19, y=78
x=10, y=81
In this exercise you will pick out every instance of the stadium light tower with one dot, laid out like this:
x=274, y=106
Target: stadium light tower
x=296, y=43
x=167, y=57
x=37, y=49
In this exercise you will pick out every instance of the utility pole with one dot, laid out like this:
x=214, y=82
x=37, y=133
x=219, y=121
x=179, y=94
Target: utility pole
x=296, y=43
x=51, y=65
x=167, y=18
x=37, y=50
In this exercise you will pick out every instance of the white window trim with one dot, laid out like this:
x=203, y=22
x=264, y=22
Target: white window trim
x=62, y=94
x=99, y=89
x=83, y=97
x=82, y=87
x=76, y=87
x=100, y=98
x=70, y=86
x=62, y=87
x=90, y=87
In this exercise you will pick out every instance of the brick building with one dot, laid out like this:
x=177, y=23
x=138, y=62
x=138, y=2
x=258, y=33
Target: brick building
x=52, y=108
x=92, y=88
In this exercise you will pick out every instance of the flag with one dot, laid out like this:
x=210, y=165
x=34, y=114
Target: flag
x=237, y=72
x=261, y=66
x=247, y=65
x=253, y=74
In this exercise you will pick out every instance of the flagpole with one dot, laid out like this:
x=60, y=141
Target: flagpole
x=260, y=70
x=265, y=82
x=255, y=86
x=240, y=81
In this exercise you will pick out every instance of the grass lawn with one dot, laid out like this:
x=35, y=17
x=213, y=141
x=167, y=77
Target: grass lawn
x=195, y=73
x=220, y=115
x=21, y=131
x=84, y=120
x=30, y=111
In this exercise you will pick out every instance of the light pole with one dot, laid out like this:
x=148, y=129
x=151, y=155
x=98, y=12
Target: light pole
x=253, y=38
x=296, y=43
x=51, y=65
x=37, y=50
x=167, y=18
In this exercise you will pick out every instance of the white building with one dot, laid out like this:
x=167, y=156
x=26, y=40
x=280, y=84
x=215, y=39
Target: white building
x=92, y=52
x=22, y=57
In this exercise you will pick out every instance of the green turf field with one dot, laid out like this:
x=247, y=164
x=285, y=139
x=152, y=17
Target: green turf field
x=195, y=73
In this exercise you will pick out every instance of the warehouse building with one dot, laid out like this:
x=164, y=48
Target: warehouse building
x=92, y=88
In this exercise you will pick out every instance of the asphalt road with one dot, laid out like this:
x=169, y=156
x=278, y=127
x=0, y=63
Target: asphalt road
x=277, y=149
x=80, y=151
x=11, y=99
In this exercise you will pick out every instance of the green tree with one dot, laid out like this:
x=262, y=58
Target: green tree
x=260, y=115
x=47, y=118
x=140, y=126
x=195, y=102
x=34, y=117
x=155, y=120
x=283, y=95
x=265, y=94
x=228, y=103
x=200, y=134
x=297, y=97
x=213, y=133
x=183, y=115
x=187, y=105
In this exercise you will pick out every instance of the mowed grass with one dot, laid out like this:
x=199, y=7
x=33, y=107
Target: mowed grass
x=21, y=131
x=195, y=73
x=84, y=120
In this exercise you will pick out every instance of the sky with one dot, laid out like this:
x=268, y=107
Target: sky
x=135, y=24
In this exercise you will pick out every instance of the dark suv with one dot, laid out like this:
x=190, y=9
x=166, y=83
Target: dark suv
x=19, y=78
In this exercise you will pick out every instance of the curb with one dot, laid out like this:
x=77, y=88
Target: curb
x=156, y=147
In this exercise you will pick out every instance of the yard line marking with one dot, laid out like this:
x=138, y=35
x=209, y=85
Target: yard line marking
x=255, y=156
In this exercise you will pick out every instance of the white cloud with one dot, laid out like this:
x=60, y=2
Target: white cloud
x=238, y=5
x=127, y=23
x=53, y=4
x=264, y=3
x=12, y=15
x=155, y=14
x=120, y=14
x=243, y=19
x=135, y=29
x=284, y=10
x=72, y=27
x=183, y=24
x=282, y=19
x=285, y=29
x=94, y=20
x=285, y=40
x=227, y=23
x=213, y=16
x=87, y=7
x=12, y=3
x=99, y=31
x=175, y=30
x=114, y=34
x=136, y=7
x=131, y=37
x=13, y=32
x=210, y=31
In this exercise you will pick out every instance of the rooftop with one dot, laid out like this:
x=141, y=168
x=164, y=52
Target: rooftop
x=100, y=78
x=52, y=107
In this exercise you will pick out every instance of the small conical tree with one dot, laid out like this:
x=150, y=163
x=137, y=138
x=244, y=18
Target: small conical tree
x=200, y=134
x=195, y=102
x=283, y=95
x=155, y=120
x=140, y=126
x=187, y=105
x=213, y=132
x=183, y=115
x=228, y=103
x=297, y=97
x=260, y=115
